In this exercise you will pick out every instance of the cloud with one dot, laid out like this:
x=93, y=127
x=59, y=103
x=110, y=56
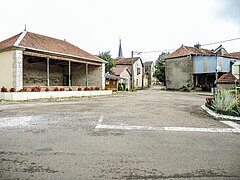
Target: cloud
x=230, y=10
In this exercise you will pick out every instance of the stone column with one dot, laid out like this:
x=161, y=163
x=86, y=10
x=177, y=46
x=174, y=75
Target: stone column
x=18, y=69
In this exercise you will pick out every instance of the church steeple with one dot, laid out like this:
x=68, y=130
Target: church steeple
x=120, y=54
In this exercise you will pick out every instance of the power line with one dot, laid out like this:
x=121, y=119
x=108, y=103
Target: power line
x=169, y=50
x=221, y=41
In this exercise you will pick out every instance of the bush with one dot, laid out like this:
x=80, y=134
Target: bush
x=79, y=89
x=62, y=89
x=91, y=88
x=120, y=87
x=86, y=89
x=55, y=89
x=97, y=88
x=209, y=100
x=225, y=101
x=3, y=89
x=12, y=90
x=47, y=89
x=24, y=89
x=36, y=89
x=70, y=89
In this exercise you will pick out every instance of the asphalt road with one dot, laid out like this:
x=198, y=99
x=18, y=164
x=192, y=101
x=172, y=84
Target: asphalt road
x=140, y=135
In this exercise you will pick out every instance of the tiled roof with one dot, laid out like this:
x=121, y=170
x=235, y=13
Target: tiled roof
x=9, y=42
x=187, y=50
x=111, y=76
x=126, y=61
x=48, y=44
x=118, y=70
x=234, y=55
x=227, y=78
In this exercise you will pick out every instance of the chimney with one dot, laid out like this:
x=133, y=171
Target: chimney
x=197, y=45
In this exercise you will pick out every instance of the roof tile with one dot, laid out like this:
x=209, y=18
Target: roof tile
x=227, y=78
x=187, y=50
x=49, y=44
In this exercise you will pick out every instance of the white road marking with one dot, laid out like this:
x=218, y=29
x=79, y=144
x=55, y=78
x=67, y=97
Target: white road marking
x=231, y=124
x=100, y=120
x=173, y=129
x=15, y=121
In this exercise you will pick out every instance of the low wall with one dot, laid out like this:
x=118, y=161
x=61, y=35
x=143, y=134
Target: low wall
x=21, y=96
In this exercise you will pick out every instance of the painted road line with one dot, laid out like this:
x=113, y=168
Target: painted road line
x=231, y=124
x=15, y=121
x=100, y=120
x=172, y=129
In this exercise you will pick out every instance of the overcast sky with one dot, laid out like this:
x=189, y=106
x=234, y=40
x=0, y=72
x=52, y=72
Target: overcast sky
x=143, y=25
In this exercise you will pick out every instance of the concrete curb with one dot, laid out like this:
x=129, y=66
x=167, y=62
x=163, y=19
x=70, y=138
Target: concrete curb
x=219, y=116
x=22, y=96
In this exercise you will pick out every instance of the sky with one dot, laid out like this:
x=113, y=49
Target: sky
x=143, y=25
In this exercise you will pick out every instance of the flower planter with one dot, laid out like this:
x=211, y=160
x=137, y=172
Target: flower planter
x=21, y=96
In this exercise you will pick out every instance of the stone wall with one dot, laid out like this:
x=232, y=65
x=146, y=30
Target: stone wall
x=94, y=76
x=226, y=86
x=78, y=74
x=179, y=73
x=34, y=73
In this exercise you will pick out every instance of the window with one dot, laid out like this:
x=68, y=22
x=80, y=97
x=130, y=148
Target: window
x=138, y=71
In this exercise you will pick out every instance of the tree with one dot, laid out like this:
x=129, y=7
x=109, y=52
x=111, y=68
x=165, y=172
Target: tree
x=160, y=67
x=110, y=63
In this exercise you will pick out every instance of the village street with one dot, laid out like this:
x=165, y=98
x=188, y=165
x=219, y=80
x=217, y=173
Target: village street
x=149, y=134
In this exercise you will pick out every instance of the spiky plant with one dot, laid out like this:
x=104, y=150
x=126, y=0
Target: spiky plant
x=225, y=101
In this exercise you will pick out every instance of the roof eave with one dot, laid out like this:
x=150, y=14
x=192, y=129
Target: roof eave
x=9, y=48
x=62, y=54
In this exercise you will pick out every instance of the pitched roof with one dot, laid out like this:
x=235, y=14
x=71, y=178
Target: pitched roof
x=126, y=61
x=234, y=55
x=111, y=76
x=148, y=63
x=227, y=78
x=43, y=43
x=118, y=70
x=187, y=50
x=9, y=42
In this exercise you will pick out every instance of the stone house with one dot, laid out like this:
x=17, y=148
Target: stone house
x=149, y=70
x=136, y=67
x=124, y=74
x=29, y=59
x=195, y=67
x=236, y=65
x=228, y=81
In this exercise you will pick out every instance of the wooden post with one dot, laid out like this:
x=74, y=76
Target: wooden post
x=69, y=73
x=48, y=73
x=86, y=74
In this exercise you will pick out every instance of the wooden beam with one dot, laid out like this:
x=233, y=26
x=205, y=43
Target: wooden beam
x=36, y=54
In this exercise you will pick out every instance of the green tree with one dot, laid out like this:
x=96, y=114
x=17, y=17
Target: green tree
x=110, y=62
x=160, y=67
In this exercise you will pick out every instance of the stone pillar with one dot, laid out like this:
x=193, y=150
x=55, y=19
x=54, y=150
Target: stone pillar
x=18, y=69
x=103, y=75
